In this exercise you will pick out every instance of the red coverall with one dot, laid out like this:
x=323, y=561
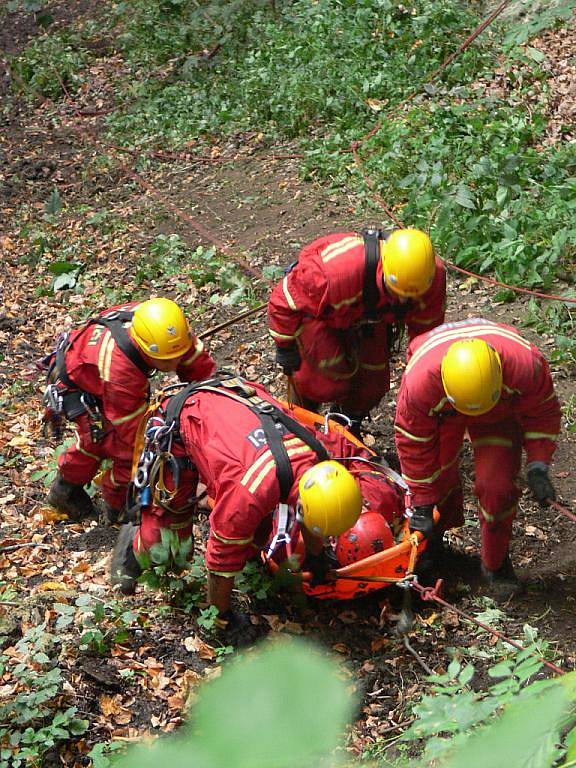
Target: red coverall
x=429, y=432
x=319, y=306
x=96, y=365
x=226, y=443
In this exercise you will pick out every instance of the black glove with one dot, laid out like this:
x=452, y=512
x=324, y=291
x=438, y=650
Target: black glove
x=541, y=486
x=288, y=358
x=422, y=520
x=319, y=565
x=235, y=628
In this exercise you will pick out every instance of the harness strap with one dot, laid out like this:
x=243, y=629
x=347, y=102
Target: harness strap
x=370, y=292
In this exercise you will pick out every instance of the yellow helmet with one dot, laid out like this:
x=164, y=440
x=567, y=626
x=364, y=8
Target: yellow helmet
x=472, y=376
x=408, y=262
x=160, y=329
x=330, y=499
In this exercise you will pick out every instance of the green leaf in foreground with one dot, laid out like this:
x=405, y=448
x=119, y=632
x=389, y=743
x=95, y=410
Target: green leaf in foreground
x=281, y=706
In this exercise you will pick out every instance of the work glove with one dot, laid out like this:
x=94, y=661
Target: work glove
x=319, y=565
x=422, y=520
x=541, y=485
x=235, y=628
x=288, y=358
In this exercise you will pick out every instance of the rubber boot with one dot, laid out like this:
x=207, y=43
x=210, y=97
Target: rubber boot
x=71, y=499
x=125, y=569
x=503, y=583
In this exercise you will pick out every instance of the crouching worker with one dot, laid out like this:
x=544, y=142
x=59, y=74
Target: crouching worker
x=252, y=456
x=98, y=378
x=482, y=379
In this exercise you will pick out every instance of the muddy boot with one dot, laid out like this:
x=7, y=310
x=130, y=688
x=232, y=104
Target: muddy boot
x=111, y=516
x=70, y=499
x=124, y=569
x=503, y=583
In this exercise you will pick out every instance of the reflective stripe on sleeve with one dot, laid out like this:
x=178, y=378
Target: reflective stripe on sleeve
x=285, y=336
x=288, y=295
x=105, y=356
x=232, y=542
x=438, y=407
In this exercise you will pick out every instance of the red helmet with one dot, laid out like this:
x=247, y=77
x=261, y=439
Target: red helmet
x=371, y=534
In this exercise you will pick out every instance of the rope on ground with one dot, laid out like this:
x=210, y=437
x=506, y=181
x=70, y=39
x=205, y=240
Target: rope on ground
x=562, y=509
x=431, y=593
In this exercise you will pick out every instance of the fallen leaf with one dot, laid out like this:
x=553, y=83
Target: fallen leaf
x=53, y=586
x=341, y=648
x=124, y=717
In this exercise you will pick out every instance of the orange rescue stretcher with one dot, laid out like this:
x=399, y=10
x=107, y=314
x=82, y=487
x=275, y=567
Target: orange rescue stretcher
x=394, y=565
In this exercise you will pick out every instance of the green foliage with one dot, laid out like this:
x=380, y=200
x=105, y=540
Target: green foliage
x=281, y=707
x=532, y=17
x=452, y=711
x=310, y=65
x=171, y=568
x=569, y=412
x=48, y=473
x=31, y=719
x=50, y=60
x=464, y=157
x=170, y=256
x=102, y=623
x=255, y=580
x=556, y=320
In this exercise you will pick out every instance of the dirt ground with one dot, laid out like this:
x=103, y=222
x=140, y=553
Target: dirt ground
x=250, y=197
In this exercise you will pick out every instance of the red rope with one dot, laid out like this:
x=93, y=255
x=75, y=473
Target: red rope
x=515, y=288
x=563, y=511
x=431, y=593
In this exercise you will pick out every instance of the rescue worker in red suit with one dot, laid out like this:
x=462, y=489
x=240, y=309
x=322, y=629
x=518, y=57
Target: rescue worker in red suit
x=485, y=380
x=336, y=314
x=229, y=451
x=100, y=373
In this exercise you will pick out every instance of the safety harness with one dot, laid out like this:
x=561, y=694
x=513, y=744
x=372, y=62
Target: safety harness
x=371, y=295
x=71, y=401
x=164, y=427
x=370, y=292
